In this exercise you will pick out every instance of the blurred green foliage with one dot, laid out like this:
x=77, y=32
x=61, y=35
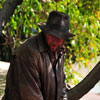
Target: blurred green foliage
x=84, y=23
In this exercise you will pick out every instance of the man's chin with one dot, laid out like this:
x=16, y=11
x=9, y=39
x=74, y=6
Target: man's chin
x=53, y=49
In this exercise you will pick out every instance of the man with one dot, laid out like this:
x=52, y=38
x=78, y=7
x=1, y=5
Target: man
x=36, y=69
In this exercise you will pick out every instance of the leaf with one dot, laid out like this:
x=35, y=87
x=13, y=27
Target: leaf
x=98, y=15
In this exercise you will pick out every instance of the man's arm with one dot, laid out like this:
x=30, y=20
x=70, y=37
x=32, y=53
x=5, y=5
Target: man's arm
x=23, y=77
x=65, y=90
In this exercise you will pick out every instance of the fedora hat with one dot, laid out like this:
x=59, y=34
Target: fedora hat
x=57, y=25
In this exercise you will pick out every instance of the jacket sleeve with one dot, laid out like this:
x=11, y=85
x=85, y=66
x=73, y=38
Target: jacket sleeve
x=23, y=81
x=64, y=90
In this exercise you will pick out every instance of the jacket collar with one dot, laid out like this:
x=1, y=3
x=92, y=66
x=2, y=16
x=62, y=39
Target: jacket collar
x=41, y=42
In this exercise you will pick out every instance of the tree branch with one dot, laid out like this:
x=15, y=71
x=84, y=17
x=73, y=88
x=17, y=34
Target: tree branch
x=86, y=84
x=7, y=11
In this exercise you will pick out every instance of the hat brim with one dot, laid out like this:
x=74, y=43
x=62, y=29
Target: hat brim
x=55, y=32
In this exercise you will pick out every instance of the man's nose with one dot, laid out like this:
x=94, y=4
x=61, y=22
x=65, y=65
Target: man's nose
x=55, y=42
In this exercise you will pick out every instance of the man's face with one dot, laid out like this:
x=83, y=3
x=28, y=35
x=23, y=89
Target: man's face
x=53, y=42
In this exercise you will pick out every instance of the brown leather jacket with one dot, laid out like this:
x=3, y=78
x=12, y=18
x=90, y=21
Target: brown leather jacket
x=31, y=75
